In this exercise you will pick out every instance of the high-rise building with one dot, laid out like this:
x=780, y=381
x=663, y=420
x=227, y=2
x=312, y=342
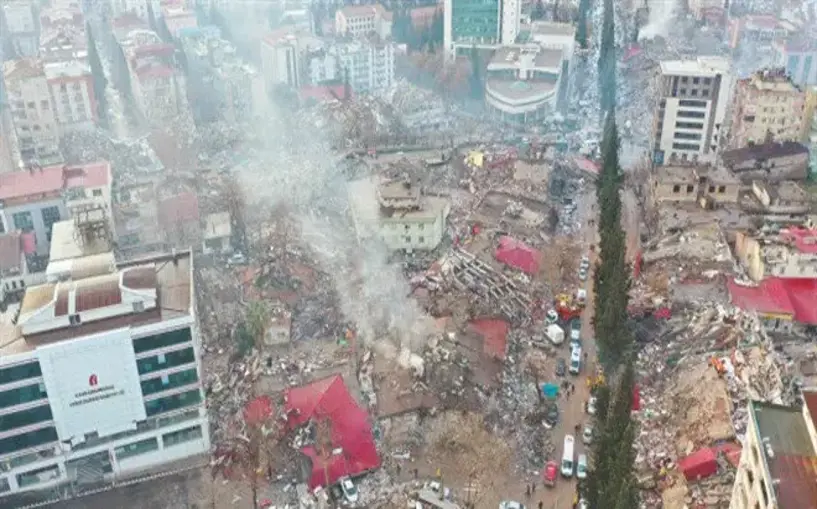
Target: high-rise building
x=798, y=55
x=689, y=121
x=767, y=107
x=101, y=377
x=479, y=23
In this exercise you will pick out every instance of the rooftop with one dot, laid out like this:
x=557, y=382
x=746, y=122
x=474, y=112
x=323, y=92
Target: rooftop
x=357, y=11
x=676, y=174
x=788, y=453
x=168, y=277
x=17, y=70
x=69, y=69
x=67, y=244
x=702, y=66
x=772, y=80
x=527, y=57
x=803, y=239
x=217, y=225
x=763, y=151
x=778, y=296
x=545, y=28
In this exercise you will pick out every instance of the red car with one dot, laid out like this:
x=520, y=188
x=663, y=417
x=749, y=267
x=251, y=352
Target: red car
x=550, y=473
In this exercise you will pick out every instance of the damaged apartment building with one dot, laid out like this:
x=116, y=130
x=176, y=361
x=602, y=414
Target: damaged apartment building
x=399, y=213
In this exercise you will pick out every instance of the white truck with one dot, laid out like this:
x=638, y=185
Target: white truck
x=555, y=334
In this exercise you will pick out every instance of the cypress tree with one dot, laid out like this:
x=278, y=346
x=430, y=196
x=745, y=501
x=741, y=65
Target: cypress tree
x=152, y=17
x=607, y=60
x=99, y=80
x=581, y=28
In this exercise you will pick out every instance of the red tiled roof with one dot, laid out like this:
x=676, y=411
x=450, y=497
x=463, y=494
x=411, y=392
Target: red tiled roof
x=803, y=296
x=804, y=239
x=20, y=184
x=770, y=297
x=159, y=48
x=329, y=400
x=88, y=175
x=517, y=254
x=258, y=410
x=154, y=71
x=494, y=334
x=797, y=488
x=10, y=251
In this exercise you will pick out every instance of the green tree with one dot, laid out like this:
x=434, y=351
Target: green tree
x=99, y=80
x=152, y=17
x=476, y=79
x=607, y=60
x=9, y=51
x=581, y=28
x=538, y=11
x=164, y=31
x=437, y=28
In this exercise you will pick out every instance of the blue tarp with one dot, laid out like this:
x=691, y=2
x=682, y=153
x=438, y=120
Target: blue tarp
x=550, y=390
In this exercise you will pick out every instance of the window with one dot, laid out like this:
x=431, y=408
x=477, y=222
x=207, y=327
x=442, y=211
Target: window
x=167, y=361
x=138, y=306
x=705, y=92
x=707, y=81
x=22, y=395
x=166, y=404
x=686, y=146
x=162, y=340
x=676, y=189
x=693, y=92
x=683, y=91
x=44, y=104
x=684, y=79
x=421, y=240
x=20, y=372
x=38, y=476
x=689, y=125
x=691, y=114
x=97, y=193
x=27, y=440
x=181, y=436
x=692, y=104
x=136, y=448
x=4, y=485
x=687, y=136
x=74, y=319
x=696, y=81
x=51, y=215
x=690, y=189
x=23, y=221
x=711, y=189
x=16, y=420
x=171, y=381
x=721, y=189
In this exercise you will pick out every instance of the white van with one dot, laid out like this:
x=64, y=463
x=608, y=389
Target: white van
x=567, y=457
x=575, y=360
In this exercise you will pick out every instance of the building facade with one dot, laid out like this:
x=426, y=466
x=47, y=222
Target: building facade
x=522, y=82
x=689, y=121
x=790, y=254
x=104, y=379
x=23, y=28
x=32, y=111
x=398, y=214
x=767, y=107
x=362, y=21
x=778, y=464
x=768, y=161
x=72, y=90
x=479, y=23
x=799, y=57
x=368, y=65
x=694, y=184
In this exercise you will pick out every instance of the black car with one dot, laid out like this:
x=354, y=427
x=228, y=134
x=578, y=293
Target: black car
x=561, y=367
x=552, y=414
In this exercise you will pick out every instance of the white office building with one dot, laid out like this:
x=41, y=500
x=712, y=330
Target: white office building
x=689, y=123
x=369, y=65
x=484, y=24
x=100, y=378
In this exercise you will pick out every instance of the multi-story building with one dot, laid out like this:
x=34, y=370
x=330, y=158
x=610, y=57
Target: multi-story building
x=9, y=155
x=798, y=55
x=399, y=214
x=693, y=183
x=178, y=19
x=791, y=253
x=363, y=21
x=102, y=376
x=22, y=26
x=689, y=121
x=62, y=35
x=33, y=200
x=35, y=121
x=367, y=64
x=522, y=82
x=767, y=107
x=759, y=30
x=157, y=85
x=778, y=464
x=281, y=57
x=479, y=23
x=72, y=91
x=705, y=9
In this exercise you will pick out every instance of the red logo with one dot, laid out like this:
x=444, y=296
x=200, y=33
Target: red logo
x=93, y=380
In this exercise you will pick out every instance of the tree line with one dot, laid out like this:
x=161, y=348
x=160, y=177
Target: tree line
x=611, y=483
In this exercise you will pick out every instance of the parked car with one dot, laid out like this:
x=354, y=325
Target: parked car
x=552, y=415
x=591, y=405
x=552, y=316
x=585, y=263
x=350, y=492
x=575, y=330
x=582, y=274
x=587, y=435
x=550, y=474
x=561, y=367
x=510, y=504
x=581, y=467
x=583, y=504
